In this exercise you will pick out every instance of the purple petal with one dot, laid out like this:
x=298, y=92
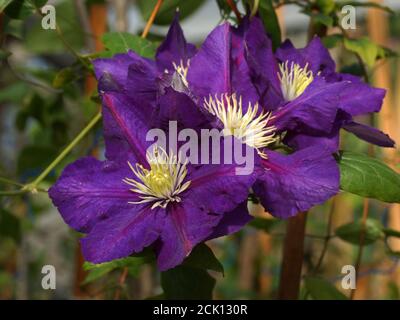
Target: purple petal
x=125, y=128
x=314, y=54
x=209, y=72
x=141, y=85
x=300, y=140
x=174, y=48
x=316, y=108
x=117, y=67
x=185, y=226
x=263, y=65
x=220, y=67
x=218, y=188
x=176, y=106
x=358, y=98
x=232, y=221
x=294, y=183
x=128, y=231
x=113, y=73
x=240, y=71
x=89, y=190
x=369, y=134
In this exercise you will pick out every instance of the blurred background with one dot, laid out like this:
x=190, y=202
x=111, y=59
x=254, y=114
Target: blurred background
x=47, y=97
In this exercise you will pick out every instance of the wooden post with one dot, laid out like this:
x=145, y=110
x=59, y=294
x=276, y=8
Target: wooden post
x=292, y=260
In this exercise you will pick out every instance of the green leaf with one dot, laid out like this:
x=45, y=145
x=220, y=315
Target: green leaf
x=332, y=40
x=270, y=20
x=384, y=52
x=351, y=232
x=202, y=257
x=183, y=282
x=190, y=280
x=391, y=233
x=98, y=271
x=4, y=4
x=263, y=224
x=326, y=6
x=119, y=42
x=368, y=177
x=322, y=19
x=40, y=41
x=321, y=289
x=365, y=48
x=355, y=69
x=19, y=9
x=168, y=9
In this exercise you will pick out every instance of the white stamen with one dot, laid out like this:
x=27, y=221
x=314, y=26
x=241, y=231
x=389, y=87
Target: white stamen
x=181, y=70
x=294, y=79
x=164, y=181
x=249, y=127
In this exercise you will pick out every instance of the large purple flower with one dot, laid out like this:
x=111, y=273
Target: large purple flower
x=311, y=102
x=219, y=81
x=142, y=79
x=135, y=200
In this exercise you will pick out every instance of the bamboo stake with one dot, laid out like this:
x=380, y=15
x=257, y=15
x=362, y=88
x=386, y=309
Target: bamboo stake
x=389, y=116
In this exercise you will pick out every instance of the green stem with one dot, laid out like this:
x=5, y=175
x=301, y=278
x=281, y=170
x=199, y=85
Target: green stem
x=33, y=185
x=8, y=181
x=255, y=8
x=12, y=193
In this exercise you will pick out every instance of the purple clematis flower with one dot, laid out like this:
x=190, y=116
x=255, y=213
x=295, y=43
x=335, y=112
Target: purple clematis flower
x=311, y=102
x=142, y=79
x=136, y=199
x=219, y=80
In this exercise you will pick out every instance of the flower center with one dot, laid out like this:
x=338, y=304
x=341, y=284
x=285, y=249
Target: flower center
x=164, y=181
x=249, y=127
x=181, y=71
x=294, y=79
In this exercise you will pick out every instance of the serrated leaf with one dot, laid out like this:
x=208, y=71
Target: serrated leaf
x=368, y=177
x=365, y=48
x=270, y=20
x=202, y=257
x=119, y=42
x=168, y=9
x=351, y=232
x=321, y=289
